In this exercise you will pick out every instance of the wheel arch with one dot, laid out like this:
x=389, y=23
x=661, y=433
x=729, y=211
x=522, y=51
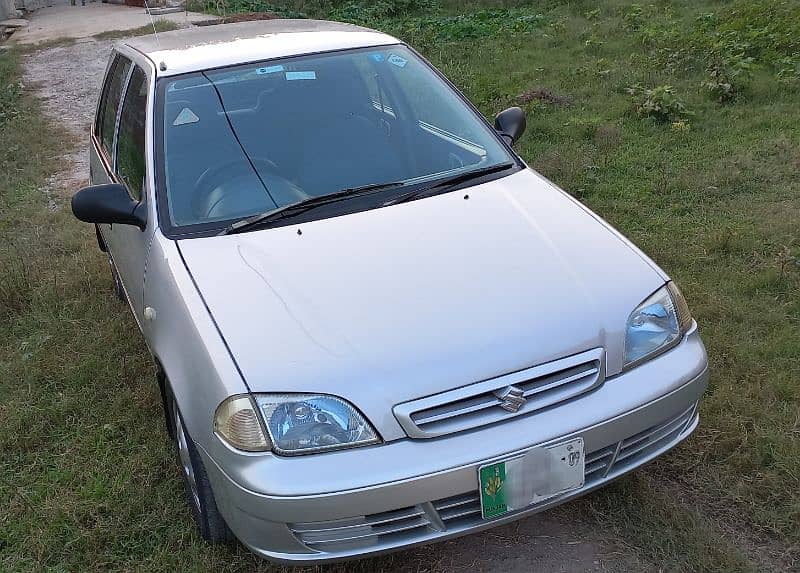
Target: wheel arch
x=166, y=398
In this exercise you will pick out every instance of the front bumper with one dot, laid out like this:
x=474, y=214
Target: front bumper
x=410, y=492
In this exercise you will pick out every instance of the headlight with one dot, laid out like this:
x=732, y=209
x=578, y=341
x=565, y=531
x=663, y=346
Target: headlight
x=296, y=423
x=657, y=324
x=306, y=423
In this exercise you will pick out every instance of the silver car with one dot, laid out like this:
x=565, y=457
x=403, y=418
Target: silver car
x=374, y=325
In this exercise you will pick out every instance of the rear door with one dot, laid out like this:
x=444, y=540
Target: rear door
x=118, y=156
x=105, y=125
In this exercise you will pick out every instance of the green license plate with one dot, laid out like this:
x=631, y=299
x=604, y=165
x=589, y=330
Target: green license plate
x=530, y=478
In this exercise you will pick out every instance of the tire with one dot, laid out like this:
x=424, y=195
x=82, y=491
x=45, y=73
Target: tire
x=119, y=291
x=199, y=495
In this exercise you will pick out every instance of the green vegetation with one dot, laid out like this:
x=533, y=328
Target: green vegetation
x=86, y=477
x=660, y=103
x=228, y=7
x=160, y=24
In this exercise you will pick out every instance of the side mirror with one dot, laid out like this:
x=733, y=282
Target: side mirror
x=108, y=204
x=510, y=123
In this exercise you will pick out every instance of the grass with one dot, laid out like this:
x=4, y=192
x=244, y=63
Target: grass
x=86, y=477
x=160, y=24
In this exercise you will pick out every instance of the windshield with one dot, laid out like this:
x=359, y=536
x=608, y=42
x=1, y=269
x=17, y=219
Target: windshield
x=250, y=139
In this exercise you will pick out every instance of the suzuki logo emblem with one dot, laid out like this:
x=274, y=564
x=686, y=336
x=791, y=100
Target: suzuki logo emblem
x=511, y=398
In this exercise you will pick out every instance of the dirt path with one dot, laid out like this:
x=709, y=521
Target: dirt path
x=65, y=21
x=68, y=80
x=546, y=543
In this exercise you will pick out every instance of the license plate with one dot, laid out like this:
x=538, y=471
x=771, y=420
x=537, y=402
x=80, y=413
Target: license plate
x=530, y=478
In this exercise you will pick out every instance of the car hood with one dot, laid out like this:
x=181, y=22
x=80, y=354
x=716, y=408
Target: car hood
x=393, y=304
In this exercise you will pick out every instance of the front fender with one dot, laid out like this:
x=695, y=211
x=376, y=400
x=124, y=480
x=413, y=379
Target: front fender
x=185, y=341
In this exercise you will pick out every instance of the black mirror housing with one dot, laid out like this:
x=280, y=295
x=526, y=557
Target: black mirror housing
x=108, y=204
x=510, y=123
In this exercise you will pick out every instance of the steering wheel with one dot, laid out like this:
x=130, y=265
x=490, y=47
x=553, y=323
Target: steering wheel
x=227, y=189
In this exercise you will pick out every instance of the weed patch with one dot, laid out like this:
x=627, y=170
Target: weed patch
x=160, y=24
x=361, y=12
x=9, y=98
x=726, y=76
x=236, y=10
x=449, y=28
x=728, y=43
x=661, y=103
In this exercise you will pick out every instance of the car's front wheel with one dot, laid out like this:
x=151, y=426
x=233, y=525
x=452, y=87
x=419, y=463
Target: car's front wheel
x=201, y=500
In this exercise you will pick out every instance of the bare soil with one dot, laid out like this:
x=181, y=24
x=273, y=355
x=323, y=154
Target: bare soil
x=545, y=95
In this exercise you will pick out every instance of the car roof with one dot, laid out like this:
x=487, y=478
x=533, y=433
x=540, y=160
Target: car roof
x=206, y=47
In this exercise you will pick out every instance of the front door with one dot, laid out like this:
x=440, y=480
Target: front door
x=118, y=156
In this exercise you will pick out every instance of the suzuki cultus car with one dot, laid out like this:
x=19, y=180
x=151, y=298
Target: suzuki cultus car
x=374, y=325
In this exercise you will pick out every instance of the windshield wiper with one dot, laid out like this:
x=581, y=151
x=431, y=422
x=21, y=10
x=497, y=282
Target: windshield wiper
x=304, y=205
x=449, y=182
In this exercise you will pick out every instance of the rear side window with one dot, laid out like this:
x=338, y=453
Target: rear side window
x=130, y=139
x=109, y=104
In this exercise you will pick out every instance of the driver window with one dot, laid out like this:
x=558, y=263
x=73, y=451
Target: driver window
x=130, y=163
x=109, y=104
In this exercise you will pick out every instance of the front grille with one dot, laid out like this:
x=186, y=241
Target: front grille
x=599, y=462
x=484, y=403
x=362, y=531
x=640, y=446
x=459, y=508
x=463, y=511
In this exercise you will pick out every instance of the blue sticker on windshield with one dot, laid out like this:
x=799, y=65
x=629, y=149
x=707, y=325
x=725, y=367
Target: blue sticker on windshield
x=301, y=75
x=378, y=57
x=269, y=70
x=397, y=60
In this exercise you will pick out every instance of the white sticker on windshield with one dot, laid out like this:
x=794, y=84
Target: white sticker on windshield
x=186, y=116
x=301, y=75
x=269, y=70
x=397, y=60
